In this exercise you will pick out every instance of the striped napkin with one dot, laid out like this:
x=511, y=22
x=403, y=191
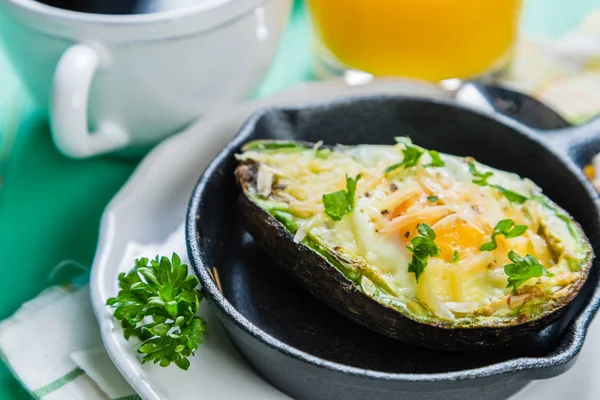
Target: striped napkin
x=59, y=358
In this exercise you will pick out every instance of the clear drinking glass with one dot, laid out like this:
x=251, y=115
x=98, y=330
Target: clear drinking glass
x=434, y=40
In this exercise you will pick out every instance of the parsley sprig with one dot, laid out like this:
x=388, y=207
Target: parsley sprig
x=158, y=303
x=507, y=228
x=422, y=248
x=481, y=179
x=340, y=203
x=522, y=269
x=411, y=155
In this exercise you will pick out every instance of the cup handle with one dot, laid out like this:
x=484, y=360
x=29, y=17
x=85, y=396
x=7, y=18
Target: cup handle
x=69, y=107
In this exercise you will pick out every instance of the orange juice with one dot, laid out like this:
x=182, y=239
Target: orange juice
x=426, y=39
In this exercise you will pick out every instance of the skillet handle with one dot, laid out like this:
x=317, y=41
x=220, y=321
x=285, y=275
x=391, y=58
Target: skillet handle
x=579, y=143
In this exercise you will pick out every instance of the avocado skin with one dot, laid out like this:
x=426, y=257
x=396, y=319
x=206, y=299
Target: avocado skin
x=330, y=286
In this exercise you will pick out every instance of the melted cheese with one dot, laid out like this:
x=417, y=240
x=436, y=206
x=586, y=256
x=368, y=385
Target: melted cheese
x=389, y=208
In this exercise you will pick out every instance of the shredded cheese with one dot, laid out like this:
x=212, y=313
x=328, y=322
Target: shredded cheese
x=388, y=208
x=264, y=180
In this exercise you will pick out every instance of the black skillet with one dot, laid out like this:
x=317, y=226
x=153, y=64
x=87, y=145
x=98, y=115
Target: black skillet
x=309, y=351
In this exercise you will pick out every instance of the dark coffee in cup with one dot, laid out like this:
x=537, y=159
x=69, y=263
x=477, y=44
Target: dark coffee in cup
x=115, y=7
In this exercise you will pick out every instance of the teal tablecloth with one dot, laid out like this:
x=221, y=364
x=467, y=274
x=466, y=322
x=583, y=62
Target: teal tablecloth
x=50, y=206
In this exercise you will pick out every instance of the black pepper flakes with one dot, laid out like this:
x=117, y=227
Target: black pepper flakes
x=407, y=234
x=384, y=212
x=393, y=187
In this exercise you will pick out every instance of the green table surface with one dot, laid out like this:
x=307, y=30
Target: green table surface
x=50, y=206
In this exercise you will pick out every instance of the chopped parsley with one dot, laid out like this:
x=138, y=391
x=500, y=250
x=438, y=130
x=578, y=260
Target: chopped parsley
x=436, y=160
x=505, y=227
x=411, y=154
x=432, y=199
x=510, y=195
x=423, y=247
x=522, y=269
x=481, y=179
x=340, y=203
x=455, y=257
x=393, y=167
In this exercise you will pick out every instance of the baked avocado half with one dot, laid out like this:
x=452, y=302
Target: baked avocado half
x=428, y=248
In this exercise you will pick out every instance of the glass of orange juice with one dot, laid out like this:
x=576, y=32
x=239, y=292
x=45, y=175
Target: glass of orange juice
x=434, y=40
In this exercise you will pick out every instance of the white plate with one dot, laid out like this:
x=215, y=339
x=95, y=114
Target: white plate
x=146, y=218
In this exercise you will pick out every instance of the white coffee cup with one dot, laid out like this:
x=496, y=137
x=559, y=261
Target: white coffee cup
x=116, y=81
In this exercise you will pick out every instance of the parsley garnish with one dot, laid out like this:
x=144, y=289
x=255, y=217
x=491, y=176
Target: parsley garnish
x=481, y=176
x=158, y=303
x=510, y=195
x=482, y=180
x=432, y=199
x=504, y=227
x=423, y=248
x=411, y=154
x=393, y=167
x=522, y=269
x=436, y=160
x=340, y=203
x=455, y=257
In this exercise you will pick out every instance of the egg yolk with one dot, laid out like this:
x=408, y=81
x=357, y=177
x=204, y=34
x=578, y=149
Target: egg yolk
x=456, y=234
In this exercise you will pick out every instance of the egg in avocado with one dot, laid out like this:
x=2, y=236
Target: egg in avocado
x=401, y=238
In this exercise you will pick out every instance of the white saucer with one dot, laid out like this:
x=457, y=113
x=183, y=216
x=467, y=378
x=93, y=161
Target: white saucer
x=146, y=218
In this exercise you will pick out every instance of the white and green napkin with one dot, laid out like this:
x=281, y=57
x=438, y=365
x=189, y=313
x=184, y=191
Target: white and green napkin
x=58, y=358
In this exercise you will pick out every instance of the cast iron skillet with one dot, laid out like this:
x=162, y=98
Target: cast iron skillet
x=309, y=351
